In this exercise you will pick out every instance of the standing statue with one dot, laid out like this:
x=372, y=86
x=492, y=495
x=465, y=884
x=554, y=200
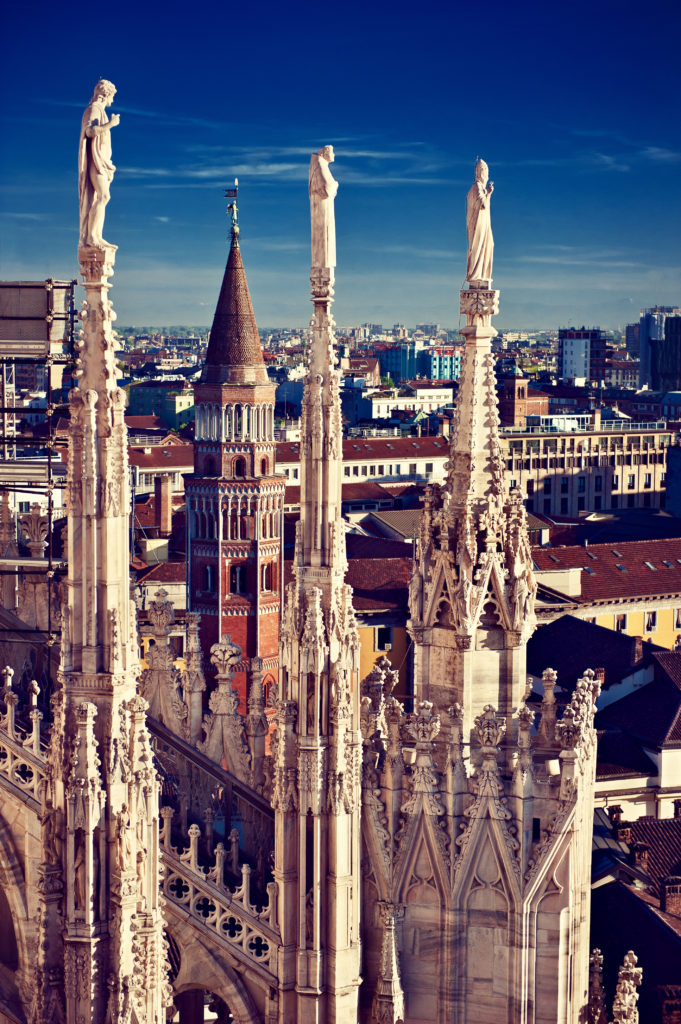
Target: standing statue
x=323, y=188
x=95, y=169
x=478, y=222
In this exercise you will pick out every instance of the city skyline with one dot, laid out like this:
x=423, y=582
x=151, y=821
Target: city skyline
x=582, y=141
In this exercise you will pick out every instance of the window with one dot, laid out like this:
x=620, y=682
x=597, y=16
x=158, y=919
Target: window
x=210, y=579
x=598, y=504
x=547, y=507
x=239, y=467
x=563, y=506
x=355, y=470
x=412, y=469
x=429, y=467
x=24, y=506
x=581, y=484
x=512, y=485
x=631, y=501
x=295, y=474
x=621, y=623
x=530, y=486
x=346, y=471
x=384, y=638
x=614, y=503
x=237, y=579
x=547, y=485
x=631, y=482
x=648, y=480
x=266, y=577
x=564, y=485
x=580, y=504
x=677, y=618
x=615, y=484
x=651, y=622
x=598, y=483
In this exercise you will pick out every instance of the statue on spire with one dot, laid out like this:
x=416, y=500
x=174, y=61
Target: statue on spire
x=323, y=188
x=232, y=207
x=479, y=225
x=95, y=169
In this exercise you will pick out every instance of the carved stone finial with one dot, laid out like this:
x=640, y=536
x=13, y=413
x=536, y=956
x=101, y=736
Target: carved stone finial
x=489, y=728
x=624, y=1007
x=597, y=1009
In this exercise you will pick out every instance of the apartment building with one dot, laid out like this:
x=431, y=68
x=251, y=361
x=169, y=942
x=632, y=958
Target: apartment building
x=615, y=465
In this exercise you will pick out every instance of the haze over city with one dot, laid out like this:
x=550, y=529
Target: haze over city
x=575, y=110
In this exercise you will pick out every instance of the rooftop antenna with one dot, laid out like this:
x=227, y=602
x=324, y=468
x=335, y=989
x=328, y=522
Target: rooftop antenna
x=232, y=208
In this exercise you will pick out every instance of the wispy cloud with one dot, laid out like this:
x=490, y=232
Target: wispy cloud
x=22, y=216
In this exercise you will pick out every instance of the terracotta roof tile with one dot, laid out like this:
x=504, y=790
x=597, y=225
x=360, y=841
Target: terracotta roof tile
x=621, y=569
x=663, y=838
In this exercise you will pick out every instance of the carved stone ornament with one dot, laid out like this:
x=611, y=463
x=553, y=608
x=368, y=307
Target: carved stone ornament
x=479, y=303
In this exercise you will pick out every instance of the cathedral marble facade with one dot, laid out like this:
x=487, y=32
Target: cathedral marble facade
x=427, y=866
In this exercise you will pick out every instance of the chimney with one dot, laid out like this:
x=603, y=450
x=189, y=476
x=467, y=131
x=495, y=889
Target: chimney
x=615, y=814
x=599, y=674
x=637, y=650
x=163, y=504
x=670, y=895
x=596, y=419
x=641, y=851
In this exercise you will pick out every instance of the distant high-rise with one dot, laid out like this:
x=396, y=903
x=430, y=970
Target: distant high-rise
x=651, y=333
x=633, y=340
x=581, y=353
x=665, y=357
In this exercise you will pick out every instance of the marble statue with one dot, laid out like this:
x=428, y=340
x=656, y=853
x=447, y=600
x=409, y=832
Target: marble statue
x=480, y=241
x=95, y=169
x=323, y=188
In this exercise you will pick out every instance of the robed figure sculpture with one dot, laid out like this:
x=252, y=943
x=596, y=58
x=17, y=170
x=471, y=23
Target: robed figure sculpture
x=95, y=169
x=480, y=241
x=323, y=188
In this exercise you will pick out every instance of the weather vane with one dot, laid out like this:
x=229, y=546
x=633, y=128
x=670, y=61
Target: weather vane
x=232, y=208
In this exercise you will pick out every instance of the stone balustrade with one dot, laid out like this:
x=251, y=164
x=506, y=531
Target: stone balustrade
x=252, y=934
x=22, y=751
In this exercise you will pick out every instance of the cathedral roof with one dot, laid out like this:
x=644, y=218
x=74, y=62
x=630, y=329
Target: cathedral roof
x=234, y=354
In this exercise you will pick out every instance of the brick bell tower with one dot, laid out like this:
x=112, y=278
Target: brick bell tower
x=235, y=501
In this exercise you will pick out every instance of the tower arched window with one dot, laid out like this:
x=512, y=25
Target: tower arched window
x=237, y=579
x=210, y=466
x=239, y=467
x=266, y=577
x=238, y=420
x=263, y=467
x=210, y=579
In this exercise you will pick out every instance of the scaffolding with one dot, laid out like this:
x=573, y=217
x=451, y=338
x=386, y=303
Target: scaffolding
x=37, y=329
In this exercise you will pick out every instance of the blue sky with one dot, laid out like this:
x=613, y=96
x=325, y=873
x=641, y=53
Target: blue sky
x=575, y=106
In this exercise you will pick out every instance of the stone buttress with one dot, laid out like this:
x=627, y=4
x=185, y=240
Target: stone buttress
x=102, y=951
x=477, y=810
x=317, y=751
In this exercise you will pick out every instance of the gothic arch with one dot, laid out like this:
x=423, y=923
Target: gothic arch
x=208, y=967
x=14, y=889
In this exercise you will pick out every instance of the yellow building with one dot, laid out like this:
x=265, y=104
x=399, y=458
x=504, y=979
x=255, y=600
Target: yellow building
x=633, y=587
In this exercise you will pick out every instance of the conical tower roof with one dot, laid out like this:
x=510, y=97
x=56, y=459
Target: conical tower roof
x=234, y=353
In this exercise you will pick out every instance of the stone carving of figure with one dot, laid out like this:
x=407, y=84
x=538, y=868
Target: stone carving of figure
x=323, y=188
x=95, y=169
x=309, y=918
x=79, y=871
x=479, y=225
